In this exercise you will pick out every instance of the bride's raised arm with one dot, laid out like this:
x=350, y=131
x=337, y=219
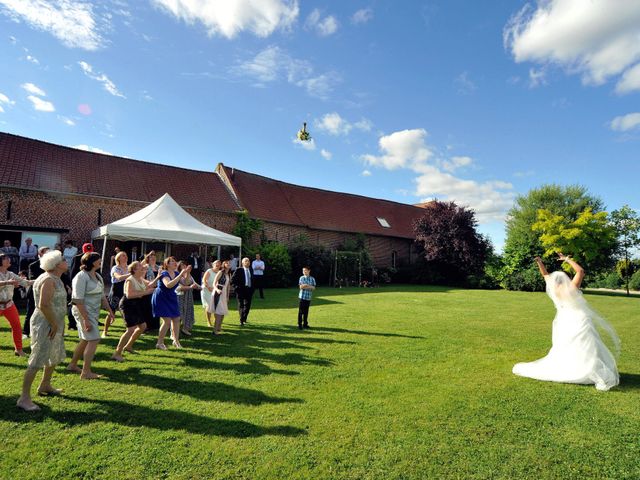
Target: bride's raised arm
x=541, y=267
x=577, y=278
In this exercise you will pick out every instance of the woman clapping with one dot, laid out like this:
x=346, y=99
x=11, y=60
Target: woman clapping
x=132, y=306
x=47, y=329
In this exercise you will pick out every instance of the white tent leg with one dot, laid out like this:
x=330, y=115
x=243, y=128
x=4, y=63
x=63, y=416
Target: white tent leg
x=219, y=252
x=104, y=252
x=240, y=254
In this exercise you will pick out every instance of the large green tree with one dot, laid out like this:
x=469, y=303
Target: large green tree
x=522, y=244
x=627, y=225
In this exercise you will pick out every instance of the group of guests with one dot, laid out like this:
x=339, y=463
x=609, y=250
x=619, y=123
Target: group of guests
x=141, y=290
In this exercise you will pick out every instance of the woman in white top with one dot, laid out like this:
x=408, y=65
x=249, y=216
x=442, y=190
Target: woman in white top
x=8, y=281
x=221, y=286
x=207, y=288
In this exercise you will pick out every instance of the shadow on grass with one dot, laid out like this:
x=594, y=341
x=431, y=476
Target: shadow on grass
x=211, y=391
x=629, y=381
x=608, y=293
x=131, y=415
x=282, y=298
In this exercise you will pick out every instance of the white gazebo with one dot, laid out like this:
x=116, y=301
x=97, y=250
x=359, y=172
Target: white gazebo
x=163, y=221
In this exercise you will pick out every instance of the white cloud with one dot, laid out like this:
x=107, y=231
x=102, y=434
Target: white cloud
x=362, y=16
x=108, y=85
x=597, y=39
x=334, y=124
x=40, y=104
x=32, y=59
x=408, y=149
x=537, y=77
x=326, y=154
x=273, y=64
x=66, y=120
x=91, y=149
x=309, y=145
x=403, y=149
x=625, y=123
x=464, y=84
x=366, y=173
x=456, y=162
x=629, y=81
x=70, y=21
x=33, y=89
x=228, y=18
x=6, y=101
x=323, y=26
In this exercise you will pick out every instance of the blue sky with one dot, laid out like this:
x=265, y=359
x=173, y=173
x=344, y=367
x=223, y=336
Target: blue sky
x=469, y=101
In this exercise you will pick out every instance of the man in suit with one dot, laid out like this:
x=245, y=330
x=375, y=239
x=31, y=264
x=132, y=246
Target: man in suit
x=242, y=280
x=34, y=272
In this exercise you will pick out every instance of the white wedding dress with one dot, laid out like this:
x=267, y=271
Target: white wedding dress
x=578, y=354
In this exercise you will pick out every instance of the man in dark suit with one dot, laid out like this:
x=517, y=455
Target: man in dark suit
x=242, y=280
x=34, y=272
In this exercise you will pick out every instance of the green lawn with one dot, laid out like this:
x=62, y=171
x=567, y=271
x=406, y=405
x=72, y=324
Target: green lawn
x=390, y=383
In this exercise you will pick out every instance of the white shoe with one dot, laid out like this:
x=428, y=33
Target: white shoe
x=24, y=337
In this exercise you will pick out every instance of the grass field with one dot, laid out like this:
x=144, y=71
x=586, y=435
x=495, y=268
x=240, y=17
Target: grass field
x=390, y=383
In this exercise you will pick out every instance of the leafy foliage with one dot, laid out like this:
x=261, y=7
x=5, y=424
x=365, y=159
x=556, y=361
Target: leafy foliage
x=317, y=257
x=523, y=244
x=634, y=282
x=450, y=244
x=245, y=228
x=627, y=225
x=590, y=238
x=278, y=264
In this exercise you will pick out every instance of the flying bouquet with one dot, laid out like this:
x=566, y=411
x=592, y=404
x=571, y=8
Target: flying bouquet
x=303, y=135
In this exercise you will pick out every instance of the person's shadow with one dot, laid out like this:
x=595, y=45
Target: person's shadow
x=629, y=381
x=132, y=415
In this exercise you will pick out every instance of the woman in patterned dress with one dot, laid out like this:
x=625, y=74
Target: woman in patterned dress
x=47, y=329
x=119, y=273
x=185, y=300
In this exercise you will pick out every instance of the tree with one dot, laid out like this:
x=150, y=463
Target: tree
x=246, y=227
x=278, y=262
x=626, y=223
x=451, y=246
x=590, y=238
x=522, y=244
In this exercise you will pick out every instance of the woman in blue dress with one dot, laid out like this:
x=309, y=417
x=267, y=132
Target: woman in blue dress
x=165, y=301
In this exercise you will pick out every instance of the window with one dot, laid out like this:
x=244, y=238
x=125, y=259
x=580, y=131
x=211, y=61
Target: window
x=394, y=259
x=383, y=222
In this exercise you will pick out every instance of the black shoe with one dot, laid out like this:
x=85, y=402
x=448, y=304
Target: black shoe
x=306, y=325
x=73, y=328
x=300, y=326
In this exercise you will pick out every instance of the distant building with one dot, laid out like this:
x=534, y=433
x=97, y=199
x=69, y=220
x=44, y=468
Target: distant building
x=53, y=193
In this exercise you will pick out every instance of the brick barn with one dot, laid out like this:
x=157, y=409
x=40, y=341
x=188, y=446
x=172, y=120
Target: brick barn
x=53, y=193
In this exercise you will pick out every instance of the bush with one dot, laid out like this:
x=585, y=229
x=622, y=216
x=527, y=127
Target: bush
x=607, y=280
x=528, y=280
x=634, y=283
x=278, y=264
x=317, y=257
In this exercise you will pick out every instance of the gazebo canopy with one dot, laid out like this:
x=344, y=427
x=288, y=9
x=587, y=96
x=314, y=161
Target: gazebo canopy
x=164, y=221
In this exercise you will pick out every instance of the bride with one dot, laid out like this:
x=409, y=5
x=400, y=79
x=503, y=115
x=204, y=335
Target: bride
x=578, y=354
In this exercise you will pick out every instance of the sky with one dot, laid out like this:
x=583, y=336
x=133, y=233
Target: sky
x=465, y=101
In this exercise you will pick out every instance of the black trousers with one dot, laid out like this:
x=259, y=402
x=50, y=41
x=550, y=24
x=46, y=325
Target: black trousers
x=258, y=284
x=31, y=307
x=303, y=312
x=244, y=306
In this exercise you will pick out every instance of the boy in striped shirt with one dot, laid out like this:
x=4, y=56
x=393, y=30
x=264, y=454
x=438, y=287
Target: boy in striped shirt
x=307, y=285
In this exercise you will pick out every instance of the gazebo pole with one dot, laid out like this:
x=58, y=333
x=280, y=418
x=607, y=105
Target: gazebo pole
x=104, y=251
x=219, y=250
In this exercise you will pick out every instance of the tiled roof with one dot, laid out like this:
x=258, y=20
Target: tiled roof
x=272, y=200
x=33, y=164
